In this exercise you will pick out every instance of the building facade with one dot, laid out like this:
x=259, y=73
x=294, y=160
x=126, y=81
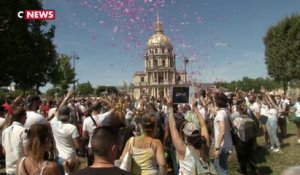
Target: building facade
x=160, y=72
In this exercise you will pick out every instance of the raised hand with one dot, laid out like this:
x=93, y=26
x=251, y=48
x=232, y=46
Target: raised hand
x=262, y=89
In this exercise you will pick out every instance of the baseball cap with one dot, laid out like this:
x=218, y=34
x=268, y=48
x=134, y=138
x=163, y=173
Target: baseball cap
x=190, y=129
x=63, y=113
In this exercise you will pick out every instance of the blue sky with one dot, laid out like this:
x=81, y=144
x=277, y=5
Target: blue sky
x=223, y=39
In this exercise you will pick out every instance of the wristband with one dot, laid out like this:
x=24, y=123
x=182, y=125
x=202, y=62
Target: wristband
x=217, y=149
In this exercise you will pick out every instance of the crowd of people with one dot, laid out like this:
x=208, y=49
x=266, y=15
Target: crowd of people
x=119, y=134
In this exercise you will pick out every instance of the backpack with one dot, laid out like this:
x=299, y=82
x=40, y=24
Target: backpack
x=247, y=129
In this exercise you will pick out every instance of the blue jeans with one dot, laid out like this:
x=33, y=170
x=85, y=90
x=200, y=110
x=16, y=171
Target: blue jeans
x=221, y=163
x=60, y=162
x=272, y=130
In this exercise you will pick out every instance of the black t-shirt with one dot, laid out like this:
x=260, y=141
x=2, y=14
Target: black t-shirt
x=101, y=171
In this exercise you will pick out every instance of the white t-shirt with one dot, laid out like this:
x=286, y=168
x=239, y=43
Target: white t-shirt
x=297, y=106
x=227, y=141
x=1, y=123
x=129, y=114
x=264, y=110
x=282, y=108
x=64, y=133
x=164, y=108
x=51, y=112
x=104, y=118
x=89, y=126
x=33, y=118
x=255, y=108
x=14, y=140
x=273, y=114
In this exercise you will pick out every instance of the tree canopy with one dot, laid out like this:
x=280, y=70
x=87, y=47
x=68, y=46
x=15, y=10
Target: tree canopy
x=247, y=84
x=282, y=50
x=27, y=51
x=63, y=73
x=85, y=89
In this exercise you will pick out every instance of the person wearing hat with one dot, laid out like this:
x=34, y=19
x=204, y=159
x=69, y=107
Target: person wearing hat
x=33, y=117
x=66, y=136
x=192, y=146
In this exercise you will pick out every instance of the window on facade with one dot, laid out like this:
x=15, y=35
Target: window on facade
x=156, y=50
x=160, y=78
x=155, y=62
x=163, y=63
x=163, y=50
x=142, y=79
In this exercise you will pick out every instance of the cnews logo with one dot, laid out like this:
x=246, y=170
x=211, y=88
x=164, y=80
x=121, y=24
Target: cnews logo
x=37, y=14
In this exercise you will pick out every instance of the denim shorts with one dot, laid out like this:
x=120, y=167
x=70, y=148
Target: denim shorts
x=263, y=119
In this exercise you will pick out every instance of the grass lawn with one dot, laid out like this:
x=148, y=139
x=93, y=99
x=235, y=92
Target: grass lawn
x=274, y=163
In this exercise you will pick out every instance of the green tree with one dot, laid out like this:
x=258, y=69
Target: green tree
x=282, y=50
x=27, y=51
x=247, y=84
x=85, y=89
x=100, y=89
x=63, y=73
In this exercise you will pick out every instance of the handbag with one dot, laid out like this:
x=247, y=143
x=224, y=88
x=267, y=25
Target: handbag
x=72, y=164
x=203, y=167
x=126, y=163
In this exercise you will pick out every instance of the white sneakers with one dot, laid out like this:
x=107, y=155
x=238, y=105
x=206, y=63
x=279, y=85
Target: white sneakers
x=277, y=150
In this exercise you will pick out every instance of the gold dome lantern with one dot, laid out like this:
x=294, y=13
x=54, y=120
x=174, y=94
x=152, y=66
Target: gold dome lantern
x=159, y=39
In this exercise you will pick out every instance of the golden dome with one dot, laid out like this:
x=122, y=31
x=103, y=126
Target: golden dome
x=159, y=39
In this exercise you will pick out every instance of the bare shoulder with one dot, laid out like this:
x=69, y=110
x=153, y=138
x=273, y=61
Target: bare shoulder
x=52, y=164
x=156, y=142
x=52, y=168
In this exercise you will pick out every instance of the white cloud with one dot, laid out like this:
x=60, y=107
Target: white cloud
x=222, y=44
x=184, y=45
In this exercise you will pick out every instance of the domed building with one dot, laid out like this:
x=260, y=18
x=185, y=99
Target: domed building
x=160, y=72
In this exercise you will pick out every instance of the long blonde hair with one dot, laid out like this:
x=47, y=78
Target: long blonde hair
x=38, y=136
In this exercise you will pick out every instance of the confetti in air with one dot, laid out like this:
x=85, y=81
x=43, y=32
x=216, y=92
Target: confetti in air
x=131, y=24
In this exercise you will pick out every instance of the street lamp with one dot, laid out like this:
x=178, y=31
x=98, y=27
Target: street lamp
x=186, y=61
x=75, y=57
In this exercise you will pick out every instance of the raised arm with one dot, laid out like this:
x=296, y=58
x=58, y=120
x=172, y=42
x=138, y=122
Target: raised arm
x=160, y=156
x=110, y=105
x=18, y=99
x=264, y=91
x=204, y=130
x=176, y=139
x=68, y=96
